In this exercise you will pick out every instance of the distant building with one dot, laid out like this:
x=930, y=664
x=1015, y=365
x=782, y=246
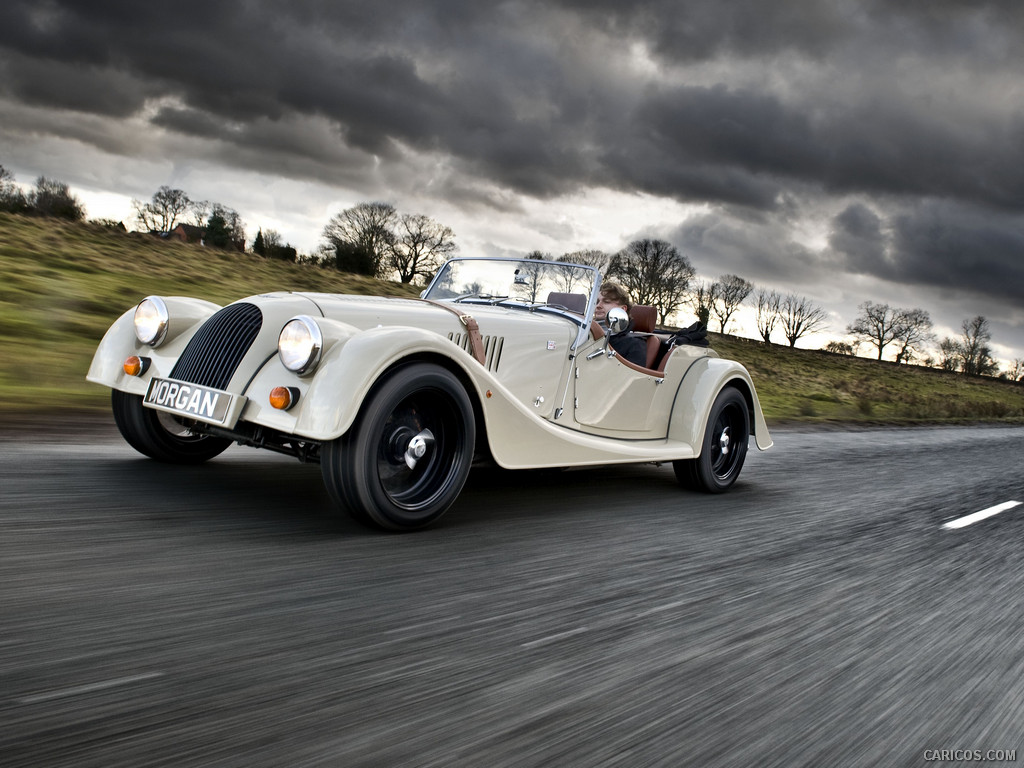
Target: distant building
x=188, y=233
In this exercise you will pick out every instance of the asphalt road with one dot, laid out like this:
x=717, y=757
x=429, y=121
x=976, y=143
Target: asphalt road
x=221, y=615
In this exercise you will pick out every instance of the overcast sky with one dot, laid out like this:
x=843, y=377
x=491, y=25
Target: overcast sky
x=845, y=150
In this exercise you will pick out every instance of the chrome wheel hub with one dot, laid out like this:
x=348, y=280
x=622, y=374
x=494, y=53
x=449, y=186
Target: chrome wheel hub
x=418, y=447
x=724, y=442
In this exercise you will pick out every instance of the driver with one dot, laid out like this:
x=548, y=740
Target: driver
x=626, y=344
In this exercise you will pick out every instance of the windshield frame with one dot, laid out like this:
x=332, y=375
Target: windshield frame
x=434, y=291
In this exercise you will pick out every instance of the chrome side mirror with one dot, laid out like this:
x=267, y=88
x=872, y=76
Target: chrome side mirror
x=618, y=320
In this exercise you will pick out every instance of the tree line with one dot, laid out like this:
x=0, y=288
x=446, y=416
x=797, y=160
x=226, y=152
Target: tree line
x=49, y=197
x=218, y=225
x=375, y=239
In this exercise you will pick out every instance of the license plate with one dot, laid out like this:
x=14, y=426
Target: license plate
x=203, y=403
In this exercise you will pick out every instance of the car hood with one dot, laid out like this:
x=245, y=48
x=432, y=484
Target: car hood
x=364, y=312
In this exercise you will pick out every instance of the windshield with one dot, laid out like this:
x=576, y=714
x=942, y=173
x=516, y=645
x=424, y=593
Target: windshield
x=529, y=281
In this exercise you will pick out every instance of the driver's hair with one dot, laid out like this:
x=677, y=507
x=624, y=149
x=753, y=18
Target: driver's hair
x=617, y=292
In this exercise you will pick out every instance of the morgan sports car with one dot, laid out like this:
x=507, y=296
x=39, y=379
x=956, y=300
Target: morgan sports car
x=499, y=360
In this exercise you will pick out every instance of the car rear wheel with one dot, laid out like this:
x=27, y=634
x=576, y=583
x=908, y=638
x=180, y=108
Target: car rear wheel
x=406, y=458
x=723, y=449
x=160, y=435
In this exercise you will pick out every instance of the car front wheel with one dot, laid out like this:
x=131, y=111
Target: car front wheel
x=723, y=449
x=405, y=460
x=160, y=435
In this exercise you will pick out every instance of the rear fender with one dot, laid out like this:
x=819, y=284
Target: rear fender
x=697, y=392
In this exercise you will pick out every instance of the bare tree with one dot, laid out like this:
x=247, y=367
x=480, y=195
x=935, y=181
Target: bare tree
x=701, y=298
x=975, y=352
x=800, y=317
x=361, y=237
x=421, y=245
x=54, y=198
x=161, y=214
x=915, y=330
x=949, y=349
x=271, y=241
x=589, y=258
x=839, y=348
x=200, y=211
x=881, y=325
x=877, y=324
x=730, y=292
x=655, y=273
x=12, y=199
x=769, y=306
x=1016, y=372
x=527, y=283
x=569, y=278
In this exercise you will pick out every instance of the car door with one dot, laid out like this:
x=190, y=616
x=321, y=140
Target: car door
x=618, y=400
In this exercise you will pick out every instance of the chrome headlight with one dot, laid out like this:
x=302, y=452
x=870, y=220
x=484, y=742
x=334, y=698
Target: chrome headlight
x=151, y=320
x=300, y=344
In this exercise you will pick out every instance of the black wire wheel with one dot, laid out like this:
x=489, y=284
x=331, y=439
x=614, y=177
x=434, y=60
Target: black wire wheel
x=723, y=449
x=406, y=458
x=160, y=435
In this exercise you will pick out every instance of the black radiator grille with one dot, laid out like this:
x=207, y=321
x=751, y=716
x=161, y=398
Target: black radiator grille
x=212, y=355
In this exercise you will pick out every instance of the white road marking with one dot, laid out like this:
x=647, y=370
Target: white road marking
x=964, y=521
x=101, y=686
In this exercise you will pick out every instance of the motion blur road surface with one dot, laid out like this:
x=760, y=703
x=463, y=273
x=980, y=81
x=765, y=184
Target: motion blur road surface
x=223, y=615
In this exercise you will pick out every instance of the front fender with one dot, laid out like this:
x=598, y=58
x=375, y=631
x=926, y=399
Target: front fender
x=330, y=399
x=107, y=367
x=697, y=392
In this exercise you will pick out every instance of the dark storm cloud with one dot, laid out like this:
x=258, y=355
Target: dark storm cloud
x=49, y=83
x=944, y=244
x=702, y=29
x=359, y=67
x=507, y=94
x=857, y=234
x=911, y=109
x=960, y=247
x=760, y=248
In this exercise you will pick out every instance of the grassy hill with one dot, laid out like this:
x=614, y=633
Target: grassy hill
x=62, y=284
x=815, y=386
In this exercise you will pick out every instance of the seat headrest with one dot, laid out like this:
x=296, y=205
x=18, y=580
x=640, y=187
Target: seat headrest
x=574, y=302
x=644, y=318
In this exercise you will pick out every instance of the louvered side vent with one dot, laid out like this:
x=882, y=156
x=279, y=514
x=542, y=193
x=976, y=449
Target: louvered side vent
x=492, y=351
x=213, y=354
x=492, y=348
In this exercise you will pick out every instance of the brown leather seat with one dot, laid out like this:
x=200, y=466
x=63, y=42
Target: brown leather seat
x=644, y=319
x=574, y=302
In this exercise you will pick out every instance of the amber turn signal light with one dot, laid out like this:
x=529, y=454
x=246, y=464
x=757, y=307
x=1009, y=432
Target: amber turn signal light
x=135, y=365
x=284, y=398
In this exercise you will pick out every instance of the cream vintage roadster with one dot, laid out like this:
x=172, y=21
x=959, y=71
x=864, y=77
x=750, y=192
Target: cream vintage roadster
x=500, y=359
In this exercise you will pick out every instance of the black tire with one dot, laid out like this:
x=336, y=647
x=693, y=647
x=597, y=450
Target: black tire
x=723, y=449
x=365, y=470
x=160, y=435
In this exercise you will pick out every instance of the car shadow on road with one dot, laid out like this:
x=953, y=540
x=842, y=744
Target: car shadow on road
x=282, y=496
x=495, y=494
x=276, y=494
